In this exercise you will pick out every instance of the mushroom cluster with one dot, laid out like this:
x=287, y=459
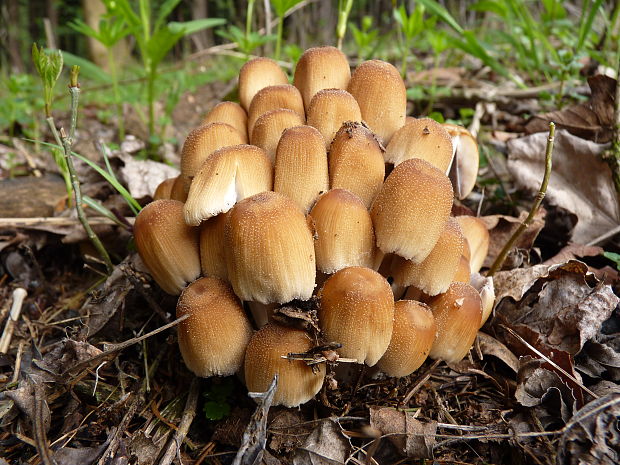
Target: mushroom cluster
x=320, y=190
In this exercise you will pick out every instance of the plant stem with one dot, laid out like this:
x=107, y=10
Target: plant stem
x=117, y=96
x=612, y=156
x=499, y=261
x=150, y=96
x=279, y=38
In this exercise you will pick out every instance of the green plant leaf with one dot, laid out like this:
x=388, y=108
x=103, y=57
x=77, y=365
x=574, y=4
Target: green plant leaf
x=282, y=6
x=164, y=11
x=437, y=9
x=88, y=68
x=189, y=27
x=614, y=257
x=48, y=64
x=216, y=410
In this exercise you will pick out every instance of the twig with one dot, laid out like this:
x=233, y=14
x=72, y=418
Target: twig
x=40, y=435
x=55, y=221
x=499, y=261
x=174, y=443
x=19, y=295
x=604, y=237
x=139, y=286
x=120, y=431
x=420, y=383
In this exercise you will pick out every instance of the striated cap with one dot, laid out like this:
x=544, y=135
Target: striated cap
x=164, y=189
x=458, y=313
x=413, y=336
x=423, y=138
x=411, y=210
x=356, y=162
x=297, y=382
x=229, y=174
x=321, y=68
x=356, y=309
x=272, y=98
x=270, y=250
x=330, y=109
x=212, y=247
x=382, y=97
x=214, y=337
x=178, y=190
x=168, y=247
x=230, y=113
x=269, y=128
x=301, y=166
x=477, y=236
x=344, y=235
x=464, y=170
x=257, y=74
x=202, y=142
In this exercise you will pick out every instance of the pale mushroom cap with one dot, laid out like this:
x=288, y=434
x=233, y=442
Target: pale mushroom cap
x=411, y=210
x=214, y=337
x=423, y=138
x=273, y=98
x=464, y=170
x=477, y=236
x=269, y=128
x=270, y=250
x=344, y=235
x=321, y=68
x=301, y=166
x=412, y=339
x=230, y=113
x=486, y=289
x=458, y=313
x=297, y=383
x=356, y=162
x=167, y=246
x=356, y=309
x=228, y=175
x=212, y=247
x=382, y=97
x=164, y=189
x=435, y=273
x=257, y=74
x=202, y=142
x=330, y=109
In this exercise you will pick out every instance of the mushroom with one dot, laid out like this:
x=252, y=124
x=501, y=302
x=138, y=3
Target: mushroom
x=297, y=382
x=272, y=98
x=214, y=337
x=477, y=235
x=464, y=170
x=230, y=113
x=301, y=166
x=212, y=248
x=330, y=109
x=168, y=247
x=257, y=74
x=356, y=309
x=164, y=189
x=269, y=127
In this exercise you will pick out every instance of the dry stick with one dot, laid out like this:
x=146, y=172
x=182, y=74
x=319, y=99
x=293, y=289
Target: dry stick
x=499, y=261
x=421, y=382
x=186, y=420
x=40, y=436
x=56, y=221
x=19, y=295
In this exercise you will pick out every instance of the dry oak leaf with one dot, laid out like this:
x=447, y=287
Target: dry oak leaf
x=412, y=437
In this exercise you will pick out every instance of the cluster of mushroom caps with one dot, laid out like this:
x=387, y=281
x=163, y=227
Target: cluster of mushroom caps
x=337, y=192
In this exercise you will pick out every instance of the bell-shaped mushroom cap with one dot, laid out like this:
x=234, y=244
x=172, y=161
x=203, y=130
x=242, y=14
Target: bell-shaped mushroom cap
x=168, y=247
x=269, y=250
x=356, y=309
x=423, y=138
x=178, y=190
x=344, y=235
x=164, y=189
x=411, y=210
x=229, y=174
x=382, y=97
x=214, y=337
x=464, y=170
x=272, y=98
x=297, y=382
x=356, y=162
x=257, y=74
x=463, y=273
x=200, y=143
x=330, y=109
x=212, y=247
x=412, y=339
x=321, y=68
x=301, y=166
x=477, y=235
x=230, y=113
x=458, y=313
x=435, y=273
x=269, y=128
x=486, y=289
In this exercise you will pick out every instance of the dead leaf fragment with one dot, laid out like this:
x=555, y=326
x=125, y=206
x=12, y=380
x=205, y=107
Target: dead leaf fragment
x=326, y=445
x=143, y=176
x=412, y=437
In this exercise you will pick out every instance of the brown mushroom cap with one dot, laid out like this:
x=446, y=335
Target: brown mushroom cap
x=477, y=236
x=212, y=247
x=257, y=74
x=269, y=128
x=230, y=113
x=297, y=383
x=411, y=210
x=382, y=97
x=344, y=235
x=301, y=166
x=412, y=339
x=164, y=189
x=458, y=313
x=272, y=98
x=270, y=250
x=178, y=190
x=214, y=337
x=321, y=68
x=464, y=170
x=330, y=109
x=423, y=138
x=168, y=247
x=356, y=162
x=356, y=309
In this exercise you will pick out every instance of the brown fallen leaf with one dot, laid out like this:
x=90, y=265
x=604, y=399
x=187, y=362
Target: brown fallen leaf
x=491, y=346
x=412, y=437
x=143, y=176
x=326, y=445
x=580, y=182
x=574, y=251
